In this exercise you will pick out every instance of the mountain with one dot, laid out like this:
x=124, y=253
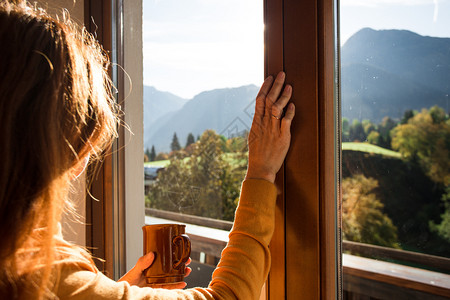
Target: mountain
x=157, y=104
x=385, y=72
x=228, y=111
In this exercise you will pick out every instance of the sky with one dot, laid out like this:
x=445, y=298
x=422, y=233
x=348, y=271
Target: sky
x=198, y=45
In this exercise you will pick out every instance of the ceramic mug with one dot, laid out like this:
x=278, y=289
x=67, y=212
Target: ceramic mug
x=172, y=248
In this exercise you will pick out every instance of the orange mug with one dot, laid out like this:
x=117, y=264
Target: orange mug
x=172, y=248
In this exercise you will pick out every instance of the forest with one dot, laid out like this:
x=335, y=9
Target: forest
x=397, y=197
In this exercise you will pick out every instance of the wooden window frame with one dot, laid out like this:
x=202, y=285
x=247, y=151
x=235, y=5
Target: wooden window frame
x=300, y=38
x=105, y=203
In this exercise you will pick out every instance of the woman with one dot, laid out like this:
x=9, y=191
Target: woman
x=56, y=111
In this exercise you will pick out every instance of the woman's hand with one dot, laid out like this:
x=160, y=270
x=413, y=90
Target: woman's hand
x=270, y=135
x=136, y=275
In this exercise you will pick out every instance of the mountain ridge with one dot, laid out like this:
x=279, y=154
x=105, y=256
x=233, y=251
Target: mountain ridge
x=383, y=73
x=215, y=109
x=414, y=69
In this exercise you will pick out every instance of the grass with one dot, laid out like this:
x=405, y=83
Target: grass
x=230, y=158
x=158, y=163
x=369, y=148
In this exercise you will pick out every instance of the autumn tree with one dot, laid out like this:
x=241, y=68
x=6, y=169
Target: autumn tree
x=425, y=139
x=237, y=144
x=363, y=219
x=202, y=184
x=161, y=156
x=374, y=138
x=368, y=127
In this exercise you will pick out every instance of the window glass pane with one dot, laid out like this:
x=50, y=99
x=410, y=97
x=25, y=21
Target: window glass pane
x=395, y=82
x=203, y=62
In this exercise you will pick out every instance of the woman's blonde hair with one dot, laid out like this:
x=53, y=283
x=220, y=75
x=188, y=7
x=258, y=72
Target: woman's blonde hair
x=56, y=109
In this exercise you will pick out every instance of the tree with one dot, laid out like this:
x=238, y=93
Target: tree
x=356, y=132
x=175, y=145
x=425, y=139
x=368, y=127
x=443, y=229
x=363, y=219
x=345, y=130
x=237, y=144
x=406, y=116
x=162, y=156
x=384, y=128
x=203, y=184
x=190, y=140
x=146, y=155
x=152, y=154
x=374, y=137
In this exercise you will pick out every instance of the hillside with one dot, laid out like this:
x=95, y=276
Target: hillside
x=386, y=72
x=409, y=197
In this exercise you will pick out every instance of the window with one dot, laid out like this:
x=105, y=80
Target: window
x=395, y=162
x=301, y=37
x=203, y=64
x=302, y=241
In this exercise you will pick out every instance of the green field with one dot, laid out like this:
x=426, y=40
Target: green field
x=158, y=163
x=369, y=148
x=230, y=158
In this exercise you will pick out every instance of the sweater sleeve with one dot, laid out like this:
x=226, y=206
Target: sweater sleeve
x=240, y=274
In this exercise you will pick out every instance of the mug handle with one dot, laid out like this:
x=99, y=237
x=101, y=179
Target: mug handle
x=186, y=245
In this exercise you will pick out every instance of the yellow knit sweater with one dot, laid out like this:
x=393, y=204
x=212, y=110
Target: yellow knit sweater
x=240, y=274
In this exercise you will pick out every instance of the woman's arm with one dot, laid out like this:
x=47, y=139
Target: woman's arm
x=245, y=262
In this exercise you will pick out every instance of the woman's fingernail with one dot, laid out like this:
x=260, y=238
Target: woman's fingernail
x=281, y=75
x=291, y=106
x=288, y=88
x=270, y=77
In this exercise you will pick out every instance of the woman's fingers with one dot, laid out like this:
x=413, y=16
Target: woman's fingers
x=187, y=272
x=274, y=92
x=287, y=120
x=261, y=98
x=278, y=106
x=271, y=134
x=145, y=261
x=136, y=276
